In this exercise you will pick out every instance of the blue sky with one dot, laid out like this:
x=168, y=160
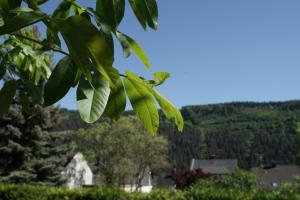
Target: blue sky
x=217, y=51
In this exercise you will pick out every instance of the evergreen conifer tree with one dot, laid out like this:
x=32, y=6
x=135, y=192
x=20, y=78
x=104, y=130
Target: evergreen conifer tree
x=30, y=152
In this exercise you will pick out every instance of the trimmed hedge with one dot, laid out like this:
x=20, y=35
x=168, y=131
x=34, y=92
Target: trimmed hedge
x=204, y=190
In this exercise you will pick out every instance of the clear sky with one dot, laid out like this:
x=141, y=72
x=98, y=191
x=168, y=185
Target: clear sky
x=218, y=50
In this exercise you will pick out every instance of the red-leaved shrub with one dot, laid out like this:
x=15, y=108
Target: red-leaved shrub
x=187, y=178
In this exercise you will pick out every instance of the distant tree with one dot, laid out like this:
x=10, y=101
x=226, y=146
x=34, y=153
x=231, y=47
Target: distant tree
x=202, y=145
x=30, y=153
x=242, y=179
x=122, y=151
x=298, y=150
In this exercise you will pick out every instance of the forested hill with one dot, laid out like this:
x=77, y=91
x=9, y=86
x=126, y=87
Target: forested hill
x=247, y=131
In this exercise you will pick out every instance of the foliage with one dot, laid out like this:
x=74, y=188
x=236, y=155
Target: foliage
x=241, y=179
x=29, y=152
x=122, y=151
x=89, y=34
x=245, y=131
x=23, y=60
x=202, y=191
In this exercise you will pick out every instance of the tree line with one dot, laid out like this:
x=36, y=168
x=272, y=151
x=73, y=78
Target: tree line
x=254, y=133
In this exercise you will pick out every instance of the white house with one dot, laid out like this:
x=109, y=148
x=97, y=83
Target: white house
x=78, y=173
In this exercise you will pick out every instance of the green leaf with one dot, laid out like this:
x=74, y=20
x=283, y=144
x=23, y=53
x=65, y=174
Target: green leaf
x=117, y=100
x=129, y=44
x=33, y=4
x=52, y=34
x=152, y=14
x=85, y=41
x=4, y=7
x=146, y=12
x=3, y=65
x=20, y=21
x=26, y=104
x=124, y=43
x=62, y=10
x=40, y=2
x=34, y=91
x=160, y=77
x=7, y=5
x=2, y=71
x=14, y=3
x=7, y=94
x=110, y=12
x=139, y=10
x=142, y=101
x=169, y=110
x=60, y=81
x=91, y=100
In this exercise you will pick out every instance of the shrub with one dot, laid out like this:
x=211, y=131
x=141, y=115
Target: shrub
x=188, y=178
x=241, y=179
x=203, y=190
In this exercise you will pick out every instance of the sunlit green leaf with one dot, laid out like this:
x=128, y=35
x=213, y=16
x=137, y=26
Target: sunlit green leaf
x=85, y=41
x=117, y=100
x=142, y=101
x=160, y=77
x=91, y=100
x=124, y=43
x=169, y=110
x=7, y=94
x=60, y=81
x=129, y=44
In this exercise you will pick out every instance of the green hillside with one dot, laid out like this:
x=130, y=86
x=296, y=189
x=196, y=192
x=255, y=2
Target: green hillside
x=247, y=131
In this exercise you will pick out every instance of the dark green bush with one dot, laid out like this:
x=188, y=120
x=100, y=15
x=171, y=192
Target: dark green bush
x=23, y=192
x=240, y=179
x=204, y=190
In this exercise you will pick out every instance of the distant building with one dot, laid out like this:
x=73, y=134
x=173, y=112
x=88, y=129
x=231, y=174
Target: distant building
x=78, y=173
x=274, y=177
x=215, y=166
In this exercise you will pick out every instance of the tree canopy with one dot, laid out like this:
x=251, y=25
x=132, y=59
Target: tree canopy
x=89, y=63
x=30, y=153
x=122, y=151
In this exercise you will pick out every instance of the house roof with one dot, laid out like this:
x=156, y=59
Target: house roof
x=278, y=175
x=215, y=166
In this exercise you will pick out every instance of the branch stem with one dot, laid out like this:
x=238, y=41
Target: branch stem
x=40, y=43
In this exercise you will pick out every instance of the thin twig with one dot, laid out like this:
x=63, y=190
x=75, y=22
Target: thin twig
x=123, y=75
x=41, y=43
x=28, y=38
x=60, y=51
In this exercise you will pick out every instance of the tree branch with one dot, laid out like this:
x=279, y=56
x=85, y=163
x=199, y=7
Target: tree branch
x=40, y=43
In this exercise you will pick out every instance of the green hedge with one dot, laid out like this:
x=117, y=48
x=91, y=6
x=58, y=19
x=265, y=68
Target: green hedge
x=201, y=191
